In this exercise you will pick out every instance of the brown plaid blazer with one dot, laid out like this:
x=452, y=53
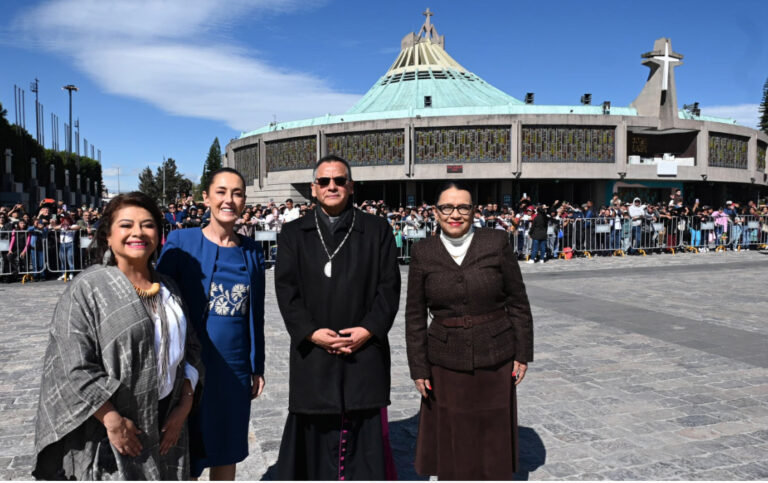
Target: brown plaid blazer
x=488, y=280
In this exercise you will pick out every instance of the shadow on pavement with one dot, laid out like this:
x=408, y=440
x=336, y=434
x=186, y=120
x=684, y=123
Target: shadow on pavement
x=402, y=437
x=533, y=454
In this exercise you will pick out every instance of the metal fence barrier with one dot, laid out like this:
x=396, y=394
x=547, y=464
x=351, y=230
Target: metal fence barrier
x=34, y=254
x=268, y=241
x=22, y=252
x=66, y=252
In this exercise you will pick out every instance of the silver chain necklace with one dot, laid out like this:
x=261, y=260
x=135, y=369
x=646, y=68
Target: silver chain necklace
x=327, y=267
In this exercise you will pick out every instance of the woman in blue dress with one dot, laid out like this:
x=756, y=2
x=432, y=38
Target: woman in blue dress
x=221, y=276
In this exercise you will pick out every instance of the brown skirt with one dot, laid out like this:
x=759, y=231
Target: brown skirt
x=468, y=426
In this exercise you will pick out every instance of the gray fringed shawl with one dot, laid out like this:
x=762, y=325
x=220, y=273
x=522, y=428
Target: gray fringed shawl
x=101, y=348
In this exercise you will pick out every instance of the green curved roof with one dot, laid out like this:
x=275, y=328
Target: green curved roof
x=445, y=88
x=423, y=69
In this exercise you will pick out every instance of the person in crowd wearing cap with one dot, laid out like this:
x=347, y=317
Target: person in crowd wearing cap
x=291, y=212
x=637, y=213
x=721, y=224
x=193, y=218
x=174, y=217
x=538, y=233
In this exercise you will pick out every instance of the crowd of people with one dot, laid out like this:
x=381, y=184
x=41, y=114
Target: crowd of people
x=538, y=231
x=23, y=236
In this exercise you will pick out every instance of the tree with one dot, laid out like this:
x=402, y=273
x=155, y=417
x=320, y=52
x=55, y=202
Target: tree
x=3, y=112
x=764, y=109
x=147, y=184
x=212, y=164
x=175, y=182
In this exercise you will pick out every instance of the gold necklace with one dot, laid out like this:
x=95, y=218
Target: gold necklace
x=145, y=294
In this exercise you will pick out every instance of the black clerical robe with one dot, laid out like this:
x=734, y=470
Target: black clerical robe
x=328, y=393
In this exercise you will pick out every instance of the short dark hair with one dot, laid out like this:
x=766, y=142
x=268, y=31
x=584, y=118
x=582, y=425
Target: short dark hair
x=289, y=200
x=220, y=171
x=456, y=185
x=331, y=158
x=134, y=198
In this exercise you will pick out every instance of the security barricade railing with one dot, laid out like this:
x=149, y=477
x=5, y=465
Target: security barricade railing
x=32, y=254
x=615, y=236
x=407, y=232
x=22, y=254
x=657, y=234
x=67, y=252
x=268, y=240
x=745, y=232
x=762, y=232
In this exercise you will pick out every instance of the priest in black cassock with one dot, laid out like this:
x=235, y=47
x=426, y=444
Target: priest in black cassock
x=338, y=288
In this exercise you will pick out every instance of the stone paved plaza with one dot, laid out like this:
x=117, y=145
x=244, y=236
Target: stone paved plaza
x=646, y=368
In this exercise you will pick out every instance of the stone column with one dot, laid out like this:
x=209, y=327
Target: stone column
x=66, y=191
x=8, y=158
x=34, y=189
x=752, y=155
x=321, y=149
x=87, y=185
x=620, y=148
x=262, y=163
x=515, y=148
x=52, y=181
x=410, y=154
x=7, y=177
x=78, y=191
x=407, y=150
x=702, y=152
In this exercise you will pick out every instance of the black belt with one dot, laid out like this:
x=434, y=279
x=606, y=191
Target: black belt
x=468, y=321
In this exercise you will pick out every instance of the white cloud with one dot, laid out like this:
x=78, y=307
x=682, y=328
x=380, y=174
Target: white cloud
x=110, y=172
x=194, y=177
x=744, y=114
x=175, y=56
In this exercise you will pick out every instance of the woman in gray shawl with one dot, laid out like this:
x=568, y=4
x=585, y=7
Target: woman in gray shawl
x=122, y=369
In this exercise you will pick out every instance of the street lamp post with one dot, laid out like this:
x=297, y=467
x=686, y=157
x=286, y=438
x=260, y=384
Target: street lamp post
x=164, y=168
x=70, y=88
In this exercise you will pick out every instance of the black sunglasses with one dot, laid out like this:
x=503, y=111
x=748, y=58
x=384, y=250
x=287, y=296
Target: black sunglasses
x=337, y=180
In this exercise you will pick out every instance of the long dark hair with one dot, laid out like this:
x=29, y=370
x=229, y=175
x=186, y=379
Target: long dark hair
x=134, y=198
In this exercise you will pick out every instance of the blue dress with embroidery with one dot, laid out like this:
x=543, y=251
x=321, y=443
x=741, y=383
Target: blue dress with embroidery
x=226, y=403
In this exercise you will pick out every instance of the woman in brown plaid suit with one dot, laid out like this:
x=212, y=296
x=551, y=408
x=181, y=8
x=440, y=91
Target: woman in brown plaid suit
x=469, y=359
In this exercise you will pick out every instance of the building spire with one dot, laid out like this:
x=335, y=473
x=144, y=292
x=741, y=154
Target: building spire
x=427, y=14
x=428, y=29
x=659, y=95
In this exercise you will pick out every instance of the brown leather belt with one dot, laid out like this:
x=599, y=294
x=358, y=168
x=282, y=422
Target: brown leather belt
x=468, y=321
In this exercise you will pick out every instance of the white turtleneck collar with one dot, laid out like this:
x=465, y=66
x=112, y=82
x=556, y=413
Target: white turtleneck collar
x=457, y=247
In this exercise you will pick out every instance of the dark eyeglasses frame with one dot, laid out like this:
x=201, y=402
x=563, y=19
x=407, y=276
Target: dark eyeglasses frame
x=447, y=210
x=337, y=180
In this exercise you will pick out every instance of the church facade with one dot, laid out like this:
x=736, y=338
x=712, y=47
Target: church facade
x=428, y=119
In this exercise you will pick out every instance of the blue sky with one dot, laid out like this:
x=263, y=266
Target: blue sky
x=164, y=78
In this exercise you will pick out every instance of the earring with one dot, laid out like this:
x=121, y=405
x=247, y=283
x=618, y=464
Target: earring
x=107, y=256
